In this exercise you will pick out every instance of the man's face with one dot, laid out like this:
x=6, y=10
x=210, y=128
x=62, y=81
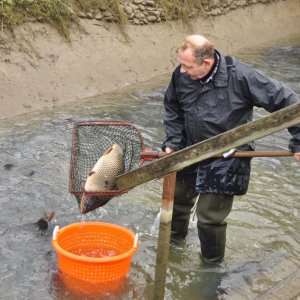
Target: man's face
x=189, y=66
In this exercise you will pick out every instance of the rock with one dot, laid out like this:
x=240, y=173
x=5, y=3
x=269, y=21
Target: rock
x=139, y=15
x=141, y=7
x=150, y=3
x=136, y=21
x=134, y=7
x=155, y=13
x=109, y=19
x=151, y=19
x=81, y=14
x=99, y=16
x=107, y=14
x=140, y=12
x=128, y=10
x=131, y=16
x=89, y=15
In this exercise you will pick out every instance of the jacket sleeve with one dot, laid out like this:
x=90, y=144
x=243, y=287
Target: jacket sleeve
x=273, y=95
x=173, y=119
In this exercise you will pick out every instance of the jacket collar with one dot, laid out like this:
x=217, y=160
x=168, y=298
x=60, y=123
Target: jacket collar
x=221, y=77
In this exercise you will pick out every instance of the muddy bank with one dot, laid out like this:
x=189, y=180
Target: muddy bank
x=39, y=70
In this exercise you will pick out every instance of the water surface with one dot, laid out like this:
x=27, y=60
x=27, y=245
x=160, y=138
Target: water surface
x=263, y=229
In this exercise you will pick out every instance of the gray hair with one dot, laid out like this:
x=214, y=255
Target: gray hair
x=201, y=51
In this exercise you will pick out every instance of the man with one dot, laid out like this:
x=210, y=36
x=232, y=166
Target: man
x=210, y=94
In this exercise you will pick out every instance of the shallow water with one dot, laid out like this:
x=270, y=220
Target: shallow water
x=263, y=229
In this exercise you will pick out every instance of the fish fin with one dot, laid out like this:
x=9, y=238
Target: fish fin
x=51, y=216
x=108, y=150
x=91, y=173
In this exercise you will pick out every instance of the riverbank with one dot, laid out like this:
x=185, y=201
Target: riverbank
x=39, y=70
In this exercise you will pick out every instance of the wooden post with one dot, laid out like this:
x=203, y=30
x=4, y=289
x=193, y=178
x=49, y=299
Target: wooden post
x=164, y=236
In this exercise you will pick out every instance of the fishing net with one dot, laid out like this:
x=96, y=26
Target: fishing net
x=89, y=142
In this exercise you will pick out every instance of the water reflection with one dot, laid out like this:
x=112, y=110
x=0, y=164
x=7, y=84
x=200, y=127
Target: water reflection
x=263, y=228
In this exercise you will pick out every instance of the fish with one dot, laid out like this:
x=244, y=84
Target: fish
x=102, y=178
x=43, y=223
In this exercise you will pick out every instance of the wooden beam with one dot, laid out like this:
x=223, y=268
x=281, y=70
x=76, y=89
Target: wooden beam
x=221, y=143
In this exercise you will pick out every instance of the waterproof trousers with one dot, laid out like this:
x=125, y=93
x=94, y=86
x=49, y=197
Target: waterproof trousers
x=211, y=212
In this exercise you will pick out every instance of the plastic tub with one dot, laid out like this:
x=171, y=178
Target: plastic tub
x=94, y=253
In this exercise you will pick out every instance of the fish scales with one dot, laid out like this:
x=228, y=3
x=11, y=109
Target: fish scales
x=102, y=178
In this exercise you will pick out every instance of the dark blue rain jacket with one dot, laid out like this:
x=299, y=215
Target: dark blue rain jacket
x=195, y=112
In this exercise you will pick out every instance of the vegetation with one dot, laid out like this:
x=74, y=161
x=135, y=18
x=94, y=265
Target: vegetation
x=59, y=13
x=63, y=13
x=178, y=9
x=55, y=12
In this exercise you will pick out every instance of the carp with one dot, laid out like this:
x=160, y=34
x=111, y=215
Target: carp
x=102, y=178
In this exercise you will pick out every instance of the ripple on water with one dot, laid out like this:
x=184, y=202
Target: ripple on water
x=263, y=229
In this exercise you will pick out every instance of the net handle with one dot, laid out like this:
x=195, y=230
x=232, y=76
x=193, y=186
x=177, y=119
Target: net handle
x=149, y=154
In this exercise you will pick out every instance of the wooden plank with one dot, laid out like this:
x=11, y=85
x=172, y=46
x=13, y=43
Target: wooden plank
x=221, y=143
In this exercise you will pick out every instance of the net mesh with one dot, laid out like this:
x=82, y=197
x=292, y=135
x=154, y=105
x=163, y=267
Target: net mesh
x=90, y=140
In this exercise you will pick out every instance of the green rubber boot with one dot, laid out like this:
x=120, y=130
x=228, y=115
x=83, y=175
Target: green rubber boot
x=184, y=200
x=213, y=241
x=212, y=211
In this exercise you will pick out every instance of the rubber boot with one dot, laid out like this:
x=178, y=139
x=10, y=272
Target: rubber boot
x=180, y=225
x=212, y=211
x=213, y=241
x=184, y=200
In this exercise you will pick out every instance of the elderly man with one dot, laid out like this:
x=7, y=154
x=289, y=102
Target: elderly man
x=210, y=94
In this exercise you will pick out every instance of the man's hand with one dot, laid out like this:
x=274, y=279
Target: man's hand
x=170, y=150
x=296, y=155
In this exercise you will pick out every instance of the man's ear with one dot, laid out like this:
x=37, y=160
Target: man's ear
x=208, y=63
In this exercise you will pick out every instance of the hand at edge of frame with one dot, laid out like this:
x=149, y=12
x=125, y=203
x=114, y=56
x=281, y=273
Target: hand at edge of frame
x=297, y=156
x=170, y=150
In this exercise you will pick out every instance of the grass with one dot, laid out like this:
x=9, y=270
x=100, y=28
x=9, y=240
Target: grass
x=55, y=12
x=62, y=14
x=180, y=9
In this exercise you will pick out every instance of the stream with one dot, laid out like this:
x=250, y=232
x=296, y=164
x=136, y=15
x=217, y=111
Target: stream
x=263, y=241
